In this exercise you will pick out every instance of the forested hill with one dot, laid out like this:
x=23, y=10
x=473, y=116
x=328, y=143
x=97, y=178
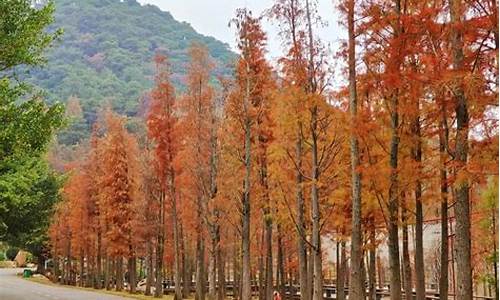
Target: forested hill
x=105, y=55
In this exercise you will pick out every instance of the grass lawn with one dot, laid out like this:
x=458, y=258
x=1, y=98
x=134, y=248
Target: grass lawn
x=44, y=280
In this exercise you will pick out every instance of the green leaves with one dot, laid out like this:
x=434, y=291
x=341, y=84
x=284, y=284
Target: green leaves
x=22, y=33
x=28, y=187
x=28, y=192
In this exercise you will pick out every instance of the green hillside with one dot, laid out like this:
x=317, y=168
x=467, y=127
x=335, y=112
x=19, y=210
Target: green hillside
x=105, y=55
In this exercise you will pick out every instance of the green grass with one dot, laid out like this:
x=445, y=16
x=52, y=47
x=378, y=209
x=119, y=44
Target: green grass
x=44, y=280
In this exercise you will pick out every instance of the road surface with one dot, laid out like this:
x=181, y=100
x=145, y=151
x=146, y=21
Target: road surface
x=13, y=287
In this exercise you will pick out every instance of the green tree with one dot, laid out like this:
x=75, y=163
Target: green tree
x=28, y=188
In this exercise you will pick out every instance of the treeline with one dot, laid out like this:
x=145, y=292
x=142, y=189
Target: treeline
x=251, y=180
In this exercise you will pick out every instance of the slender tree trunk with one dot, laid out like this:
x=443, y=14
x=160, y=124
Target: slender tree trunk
x=119, y=273
x=107, y=273
x=200, y=262
x=443, y=278
x=269, y=258
x=221, y=277
x=261, y=273
x=380, y=273
x=419, y=214
x=393, y=207
x=280, y=268
x=316, y=235
x=268, y=234
x=212, y=268
x=98, y=284
x=186, y=282
x=246, y=291
x=493, y=237
x=317, y=275
x=356, y=287
x=393, y=241
x=372, y=278
x=444, y=266
x=406, y=254
x=149, y=268
x=310, y=270
x=236, y=273
x=56, y=270
x=91, y=278
x=177, y=253
x=132, y=274
x=301, y=244
x=159, y=250
x=68, y=263
x=82, y=269
x=461, y=187
x=217, y=269
x=341, y=269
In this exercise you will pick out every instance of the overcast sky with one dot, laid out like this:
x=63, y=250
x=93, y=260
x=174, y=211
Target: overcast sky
x=211, y=17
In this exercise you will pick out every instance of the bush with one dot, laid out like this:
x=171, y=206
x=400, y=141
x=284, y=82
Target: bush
x=29, y=258
x=11, y=253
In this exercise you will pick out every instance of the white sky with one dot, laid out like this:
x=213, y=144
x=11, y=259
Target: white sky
x=211, y=17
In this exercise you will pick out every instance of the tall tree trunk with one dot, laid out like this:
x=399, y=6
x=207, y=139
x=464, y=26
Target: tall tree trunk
x=341, y=269
x=55, y=269
x=461, y=187
x=246, y=289
x=98, y=283
x=214, y=223
x=236, y=273
x=393, y=241
x=393, y=206
x=372, y=278
x=119, y=273
x=380, y=273
x=68, y=262
x=212, y=266
x=280, y=268
x=261, y=273
x=132, y=273
x=107, y=273
x=82, y=269
x=406, y=254
x=301, y=228
x=159, y=250
x=269, y=258
x=186, y=280
x=356, y=287
x=177, y=253
x=443, y=277
x=419, y=214
x=310, y=271
x=316, y=235
x=317, y=279
x=444, y=266
x=200, y=262
x=221, y=276
x=149, y=268
x=268, y=237
x=493, y=238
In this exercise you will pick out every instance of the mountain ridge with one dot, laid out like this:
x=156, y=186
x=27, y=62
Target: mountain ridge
x=106, y=54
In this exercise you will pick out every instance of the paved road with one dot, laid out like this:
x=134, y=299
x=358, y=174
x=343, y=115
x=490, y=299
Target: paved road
x=15, y=288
